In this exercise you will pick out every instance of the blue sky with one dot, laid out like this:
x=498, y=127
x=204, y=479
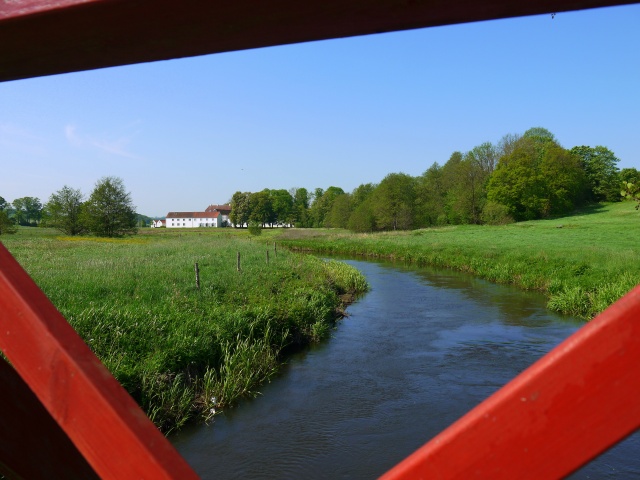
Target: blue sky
x=183, y=134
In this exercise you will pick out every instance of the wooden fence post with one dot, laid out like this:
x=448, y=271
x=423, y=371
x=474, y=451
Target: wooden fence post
x=197, y=276
x=238, y=261
x=275, y=249
x=267, y=256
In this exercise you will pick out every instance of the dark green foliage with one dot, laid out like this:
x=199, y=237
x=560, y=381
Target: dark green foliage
x=109, y=211
x=282, y=205
x=630, y=175
x=262, y=211
x=603, y=177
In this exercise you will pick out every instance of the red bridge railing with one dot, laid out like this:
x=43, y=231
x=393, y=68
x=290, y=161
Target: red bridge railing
x=65, y=416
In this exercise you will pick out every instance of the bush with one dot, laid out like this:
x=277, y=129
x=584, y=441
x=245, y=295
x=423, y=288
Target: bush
x=495, y=213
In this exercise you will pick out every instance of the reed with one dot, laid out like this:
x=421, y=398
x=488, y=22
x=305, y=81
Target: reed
x=176, y=346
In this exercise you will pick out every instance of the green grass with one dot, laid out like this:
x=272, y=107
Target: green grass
x=583, y=262
x=179, y=350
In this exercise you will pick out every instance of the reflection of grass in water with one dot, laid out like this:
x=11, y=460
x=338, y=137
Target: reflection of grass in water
x=583, y=262
x=175, y=347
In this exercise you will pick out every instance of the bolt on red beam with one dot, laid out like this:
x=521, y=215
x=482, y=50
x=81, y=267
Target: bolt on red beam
x=560, y=413
x=98, y=415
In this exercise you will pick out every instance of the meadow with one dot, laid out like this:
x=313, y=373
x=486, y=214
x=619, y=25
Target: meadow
x=184, y=351
x=583, y=262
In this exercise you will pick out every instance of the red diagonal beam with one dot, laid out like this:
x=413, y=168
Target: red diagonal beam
x=101, y=419
x=43, y=37
x=567, y=408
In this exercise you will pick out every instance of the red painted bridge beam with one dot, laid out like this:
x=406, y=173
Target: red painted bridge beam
x=570, y=406
x=44, y=37
x=104, y=423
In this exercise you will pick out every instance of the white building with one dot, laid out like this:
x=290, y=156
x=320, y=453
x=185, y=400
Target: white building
x=213, y=216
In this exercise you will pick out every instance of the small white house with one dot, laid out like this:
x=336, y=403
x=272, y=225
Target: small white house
x=158, y=224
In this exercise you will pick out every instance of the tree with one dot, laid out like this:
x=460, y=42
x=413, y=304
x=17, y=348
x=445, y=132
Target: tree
x=540, y=134
x=64, y=211
x=362, y=218
x=6, y=225
x=28, y=210
x=322, y=203
x=240, y=209
x=282, y=204
x=394, y=202
x=603, y=177
x=630, y=175
x=109, y=211
x=538, y=178
x=430, y=195
x=3, y=203
x=261, y=208
x=338, y=216
x=300, y=207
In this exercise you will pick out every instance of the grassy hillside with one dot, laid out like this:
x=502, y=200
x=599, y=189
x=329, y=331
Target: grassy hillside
x=177, y=349
x=583, y=262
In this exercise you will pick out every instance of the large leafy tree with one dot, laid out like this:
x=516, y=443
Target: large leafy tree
x=322, y=203
x=300, y=207
x=261, y=208
x=240, y=209
x=3, y=203
x=360, y=207
x=338, y=216
x=538, y=178
x=602, y=174
x=109, y=211
x=394, y=202
x=282, y=204
x=28, y=210
x=64, y=211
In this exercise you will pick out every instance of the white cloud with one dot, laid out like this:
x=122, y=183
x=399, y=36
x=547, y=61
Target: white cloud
x=116, y=146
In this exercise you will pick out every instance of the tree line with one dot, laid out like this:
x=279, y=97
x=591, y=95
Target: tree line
x=107, y=212
x=522, y=177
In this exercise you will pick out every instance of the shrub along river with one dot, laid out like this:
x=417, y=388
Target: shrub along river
x=415, y=353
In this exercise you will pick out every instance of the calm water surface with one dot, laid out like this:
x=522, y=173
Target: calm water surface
x=417, y=352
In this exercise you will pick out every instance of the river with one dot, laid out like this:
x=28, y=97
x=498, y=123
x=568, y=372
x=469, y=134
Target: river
x=419, y=350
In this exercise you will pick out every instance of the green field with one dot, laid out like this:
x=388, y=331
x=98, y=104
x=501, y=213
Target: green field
x=179, y=350
x=583, y=262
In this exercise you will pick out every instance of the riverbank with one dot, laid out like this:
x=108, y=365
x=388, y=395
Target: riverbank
x=184, y=351
x=583, y=262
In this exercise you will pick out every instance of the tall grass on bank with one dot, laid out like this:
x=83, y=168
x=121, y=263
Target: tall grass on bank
x=178, y=349
x=583, y=262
